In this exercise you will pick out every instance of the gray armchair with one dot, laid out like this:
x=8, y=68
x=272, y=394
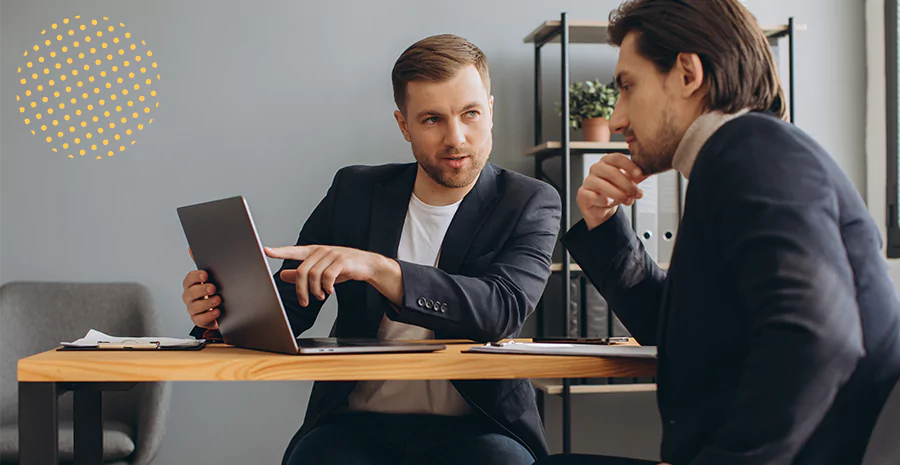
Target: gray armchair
x=35, y=317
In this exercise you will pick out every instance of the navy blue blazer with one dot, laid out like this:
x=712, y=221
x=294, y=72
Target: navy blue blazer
x=777, y=324
x=494, y=264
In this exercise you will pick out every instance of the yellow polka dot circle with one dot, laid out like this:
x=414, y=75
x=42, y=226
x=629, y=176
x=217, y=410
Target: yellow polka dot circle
x=87, y=88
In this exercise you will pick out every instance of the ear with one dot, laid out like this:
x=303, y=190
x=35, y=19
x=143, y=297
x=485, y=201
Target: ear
x=491, y=109
x=690, y=73
x=401, y=123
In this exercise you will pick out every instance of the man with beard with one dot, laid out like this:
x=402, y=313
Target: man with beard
x=449, y=247
x=777, y=324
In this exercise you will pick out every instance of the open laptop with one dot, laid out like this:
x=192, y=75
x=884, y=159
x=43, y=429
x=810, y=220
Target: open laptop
x=224, y=242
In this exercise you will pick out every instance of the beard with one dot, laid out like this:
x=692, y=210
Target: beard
x=453, y=177
x=655, y=155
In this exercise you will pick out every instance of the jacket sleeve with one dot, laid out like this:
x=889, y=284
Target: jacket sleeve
x=615, y=261
x=495, y=304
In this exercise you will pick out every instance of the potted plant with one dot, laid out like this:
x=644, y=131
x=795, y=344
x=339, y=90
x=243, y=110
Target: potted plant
x=591, y=105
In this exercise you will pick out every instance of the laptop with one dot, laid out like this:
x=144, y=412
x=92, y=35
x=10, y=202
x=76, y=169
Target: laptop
x=224, y=242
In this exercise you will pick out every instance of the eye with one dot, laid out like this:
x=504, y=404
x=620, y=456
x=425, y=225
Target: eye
x=432, y=120
x=471, y=114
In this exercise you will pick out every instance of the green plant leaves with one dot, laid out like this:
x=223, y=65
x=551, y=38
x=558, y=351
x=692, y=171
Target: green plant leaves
x=591, y=99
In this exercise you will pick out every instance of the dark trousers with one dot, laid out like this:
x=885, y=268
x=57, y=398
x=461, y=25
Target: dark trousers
x=376, y=439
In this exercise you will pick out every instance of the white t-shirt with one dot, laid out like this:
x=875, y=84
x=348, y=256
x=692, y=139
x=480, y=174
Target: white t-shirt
x=420, y=243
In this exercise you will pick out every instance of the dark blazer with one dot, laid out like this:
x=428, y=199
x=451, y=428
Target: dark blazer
x=494, y=264
x=777, y=324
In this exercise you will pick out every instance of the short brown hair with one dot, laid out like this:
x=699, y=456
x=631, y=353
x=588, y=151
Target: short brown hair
x=436, y=58
x=738, y=64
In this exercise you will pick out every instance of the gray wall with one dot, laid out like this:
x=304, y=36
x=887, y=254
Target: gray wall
x=267, y=99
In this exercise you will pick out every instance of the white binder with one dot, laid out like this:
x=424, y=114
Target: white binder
x=669, y=199
x=646, y=223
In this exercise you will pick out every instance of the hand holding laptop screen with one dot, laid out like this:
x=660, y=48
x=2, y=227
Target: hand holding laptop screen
x=233, y=290
x=201, y=300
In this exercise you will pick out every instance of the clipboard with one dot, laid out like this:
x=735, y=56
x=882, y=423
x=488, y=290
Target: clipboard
x=131, y=345
x=591, y=350
x=606, y=341
x=96, y=340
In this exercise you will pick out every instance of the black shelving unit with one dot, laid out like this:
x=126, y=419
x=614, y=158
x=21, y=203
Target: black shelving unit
x=567, y=32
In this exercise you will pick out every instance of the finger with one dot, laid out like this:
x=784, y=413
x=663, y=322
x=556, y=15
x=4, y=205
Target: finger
x=610, y=192
x=300, y=252
x=197, y=292
x=302, y=282
x=640, y=193
x=331, y=275
x=621, y=161
x=315, y=275
x=201, y=305
x=194, y=277
x=596, y=204
x=200, y=291
x=206, y=319
x=591, y=200
x=606, y=191
x=190, y=293
x=639, y=179
x=289, y=276
x=615, y=176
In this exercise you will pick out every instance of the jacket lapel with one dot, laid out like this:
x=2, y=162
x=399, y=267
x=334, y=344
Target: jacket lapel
x=389, y=205
x=472, y=212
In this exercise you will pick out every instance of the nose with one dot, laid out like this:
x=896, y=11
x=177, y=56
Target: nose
x=618, y=123
x=454, y=136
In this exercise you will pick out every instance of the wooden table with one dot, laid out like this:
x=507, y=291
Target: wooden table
x=44, y=376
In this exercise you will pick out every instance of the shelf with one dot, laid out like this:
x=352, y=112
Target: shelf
x=594, y=32
x=554, y=387
x=556, y=267
x=578, y=147
x=580, y=32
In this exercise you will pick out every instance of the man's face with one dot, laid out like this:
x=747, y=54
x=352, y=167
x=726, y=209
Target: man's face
x=449, y=125
x=651, y=111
